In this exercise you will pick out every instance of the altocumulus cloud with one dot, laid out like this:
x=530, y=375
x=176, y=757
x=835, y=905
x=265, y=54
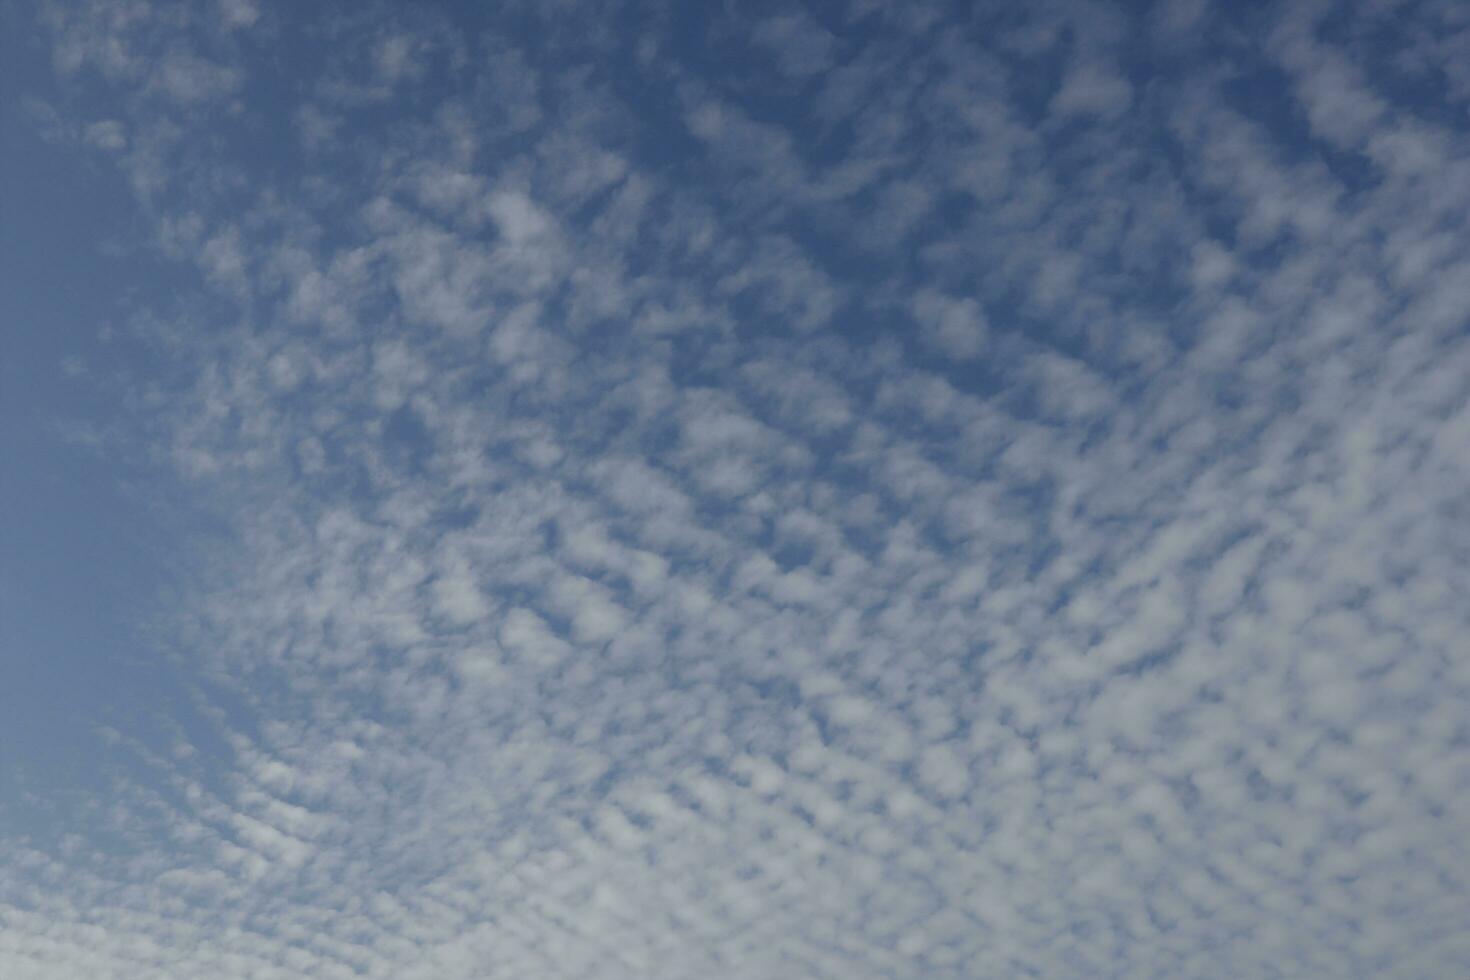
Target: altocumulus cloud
x=877, y=490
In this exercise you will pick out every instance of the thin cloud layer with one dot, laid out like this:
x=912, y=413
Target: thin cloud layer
x=871, y=491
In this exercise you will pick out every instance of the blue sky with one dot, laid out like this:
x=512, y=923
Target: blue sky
x=837, y=491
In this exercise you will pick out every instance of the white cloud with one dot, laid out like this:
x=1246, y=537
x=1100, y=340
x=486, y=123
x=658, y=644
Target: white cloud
x=107, y=134
x=239, y=13
x=458, y=597
x=614, y=586
x=1093, y=89
x=800, y=45
x=954, y=326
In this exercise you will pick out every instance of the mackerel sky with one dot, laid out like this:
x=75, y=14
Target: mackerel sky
x=765, y=491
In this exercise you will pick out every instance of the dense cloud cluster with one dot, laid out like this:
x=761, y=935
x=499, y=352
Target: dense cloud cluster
x=877, y=491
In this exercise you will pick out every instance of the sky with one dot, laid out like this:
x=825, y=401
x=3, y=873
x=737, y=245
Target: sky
x=753, y=490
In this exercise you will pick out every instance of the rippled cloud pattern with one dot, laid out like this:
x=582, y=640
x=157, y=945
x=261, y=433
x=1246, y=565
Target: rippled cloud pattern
x=761, y=491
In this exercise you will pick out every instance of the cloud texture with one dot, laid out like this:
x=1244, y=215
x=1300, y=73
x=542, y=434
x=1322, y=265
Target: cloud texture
x=877, y=491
